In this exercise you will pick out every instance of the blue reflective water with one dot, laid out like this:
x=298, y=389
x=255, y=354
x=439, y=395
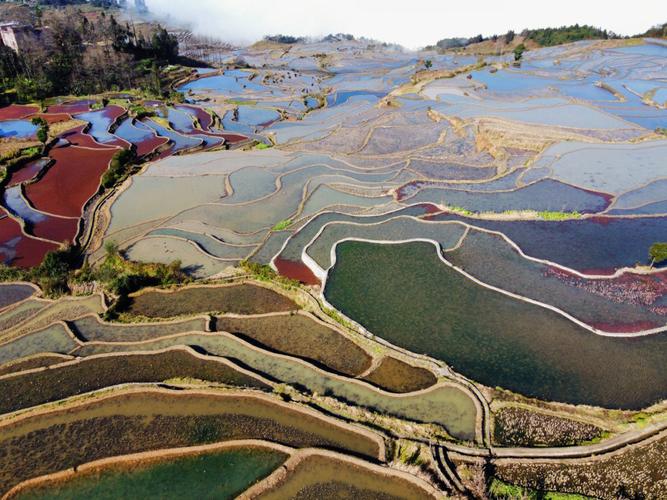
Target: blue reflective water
x=19, y=129
x=17, y=205
x=249, y=119
x=661, y=96
x=510, y=81
x=133, y=134
x=181, y=142
x=645, y=50
x=234, y=81
x=338, y=98
x=100, y=121
x=180, y=120
x=312, y=103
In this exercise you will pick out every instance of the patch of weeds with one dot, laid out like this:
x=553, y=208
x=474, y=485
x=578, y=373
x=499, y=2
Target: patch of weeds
x=282, y=225
x=556, y=216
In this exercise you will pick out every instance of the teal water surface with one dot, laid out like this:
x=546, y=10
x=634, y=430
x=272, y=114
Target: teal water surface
x=216, y=475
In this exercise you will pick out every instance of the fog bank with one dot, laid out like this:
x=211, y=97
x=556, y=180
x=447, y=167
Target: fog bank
x=412, y=24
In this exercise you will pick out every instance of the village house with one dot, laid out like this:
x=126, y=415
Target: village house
x=15, y=35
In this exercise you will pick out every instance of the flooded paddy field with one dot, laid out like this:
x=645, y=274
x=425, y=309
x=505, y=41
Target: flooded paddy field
x=301, y=336
x=13, y=293
x=394, y=375
x=640, y=469
x=92, y=329
x=137, y=421
x=446, y=405
x=575, y=243
x=70, y=379
x=56, y=188
x=236, y=299
x=515, y=426
x=223, y=473
x=501, y=340
x=321, y=475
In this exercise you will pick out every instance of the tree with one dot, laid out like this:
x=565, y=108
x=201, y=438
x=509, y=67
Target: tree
x=32, y=89
x=509, y=37
x=164, y=45
x=658, y=253
x=428, y=64
x=66, y=46
x=43, y=131
x=518, y=51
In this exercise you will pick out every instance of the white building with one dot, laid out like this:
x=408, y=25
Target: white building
x=15, y=35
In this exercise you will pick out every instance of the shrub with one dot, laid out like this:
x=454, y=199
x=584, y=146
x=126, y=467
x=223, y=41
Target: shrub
x=282, y=225
x=118, y=168
x=266, y=273
x=43, y=131
x=658, y=253
x=122, y=277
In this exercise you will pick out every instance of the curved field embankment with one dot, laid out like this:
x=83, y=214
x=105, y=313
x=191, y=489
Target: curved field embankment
x=132, y=420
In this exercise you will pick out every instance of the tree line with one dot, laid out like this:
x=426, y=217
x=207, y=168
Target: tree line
x=545, y=37
x=77, y=54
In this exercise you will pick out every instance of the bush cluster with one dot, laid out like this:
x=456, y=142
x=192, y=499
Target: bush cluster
x=119, y=168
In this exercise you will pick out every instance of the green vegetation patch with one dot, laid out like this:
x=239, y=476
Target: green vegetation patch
x=119, y=168
x=555, y=216
x=282, y=225
x=548, y=37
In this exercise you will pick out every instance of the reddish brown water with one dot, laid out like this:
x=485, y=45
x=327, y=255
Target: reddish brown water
x=52, y=118
x=637, y=326
x=71, y=180
x=16, y=112
x=26, y=173
x=71, y=107
x=203, y=117
x=56, y=229
x=296, y=271
x=77, y=137
x=18, y=249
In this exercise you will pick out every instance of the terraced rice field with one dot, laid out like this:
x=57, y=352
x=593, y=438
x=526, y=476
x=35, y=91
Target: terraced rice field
x=303, y=337
x=137, y=421
x=237, y=299
x=70, y=379
x=320, y=475
x=57, y=187
x=218, y=474
x=469, y=282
